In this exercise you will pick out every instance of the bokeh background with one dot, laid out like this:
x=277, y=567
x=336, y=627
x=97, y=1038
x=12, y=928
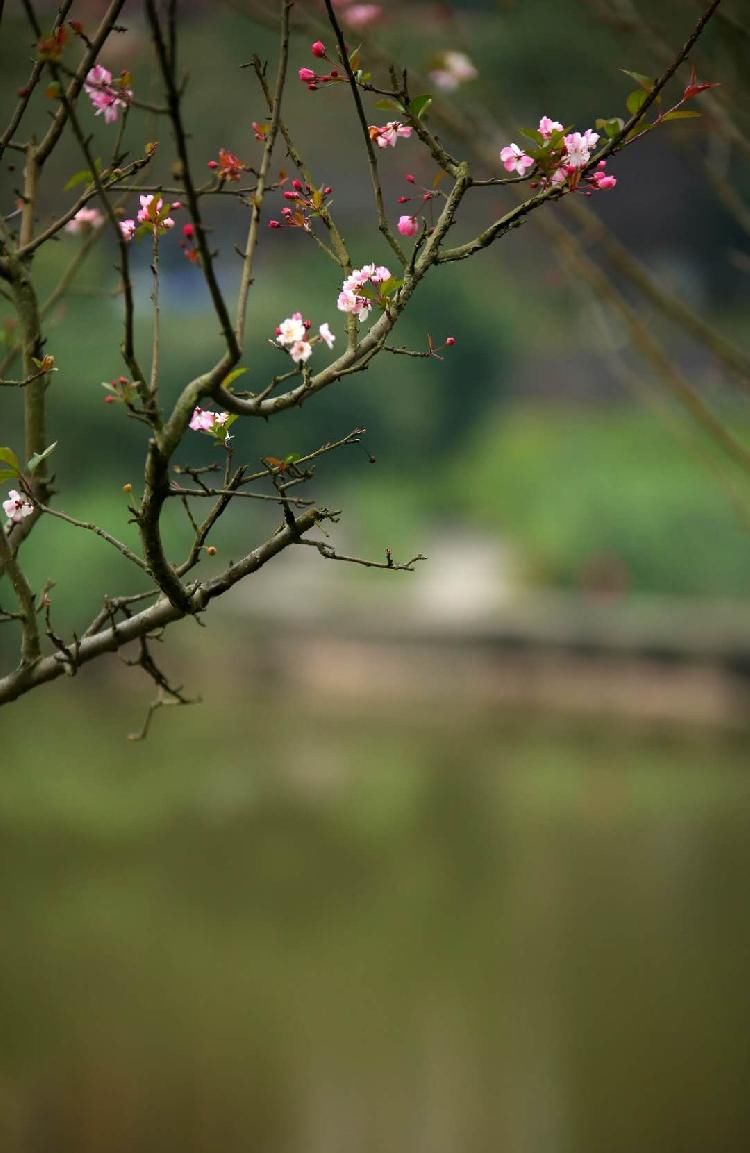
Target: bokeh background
x=450, y=860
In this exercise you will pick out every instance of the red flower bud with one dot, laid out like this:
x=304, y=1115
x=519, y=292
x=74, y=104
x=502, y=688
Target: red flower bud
x=450, y=341
x=318, y=49
x=274, y=224
x=188, y=231
x=306, y=75
x=410, y=178
x=213, y=164
x=404, y=199
x=298, y=185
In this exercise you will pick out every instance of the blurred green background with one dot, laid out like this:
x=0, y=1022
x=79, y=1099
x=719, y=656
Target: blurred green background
x=307, y=916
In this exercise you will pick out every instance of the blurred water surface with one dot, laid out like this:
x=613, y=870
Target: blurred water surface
x=278, y=927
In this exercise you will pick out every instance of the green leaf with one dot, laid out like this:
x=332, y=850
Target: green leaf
x=645, y=82
x=419, y=106
x=687, y=114
x=38, y=457
x=635, y=101
x=534, y=134
x=354, y=60
x=390, y=105
x=391, y=286
x=231, y=377
x=84, y=176
x=292, y=458
x=610, y=127
x=9, y=461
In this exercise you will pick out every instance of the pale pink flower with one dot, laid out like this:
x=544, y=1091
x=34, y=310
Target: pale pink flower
x=515, y=159
x=455, y=69
x=387, y=136
x=547, y=126
x=362, y=15
x=85, y=220
x=151, y=212
x=348, y=301
x=127, y=228
x=17, y=506
x=578, y=147
x=326, y=334
x=300, y=351
x=105, y=96
x=408, y=225
x=291, y=331
x=380, y=274
x=202, y=420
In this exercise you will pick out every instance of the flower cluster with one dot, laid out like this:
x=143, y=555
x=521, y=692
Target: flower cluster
x=452, y=70
x=560, y=156
x=314, y=79
x=352, y=298
x=120, y=391
x=228, y=167
x=85, y=220
x=292, y=334
x=17, y=507
x=153, y=215
x=304, y=202
x=108, y=95
x=387, y=136
x=217, y=424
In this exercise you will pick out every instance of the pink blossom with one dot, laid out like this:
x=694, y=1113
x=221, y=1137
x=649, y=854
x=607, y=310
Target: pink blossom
x=362, y=15
x=387, y=136
x=152, y=212
x=307, y=76
x=578, y=147
x=202, y=420
x=326, y=334
x=85, y=220
x=300, y=351
x=105, y=96
x=291, y=331
x=408, y=225
x=547, y=126
x=455, y=68
x=17, y=507
x=515, y=159
x=127, y=228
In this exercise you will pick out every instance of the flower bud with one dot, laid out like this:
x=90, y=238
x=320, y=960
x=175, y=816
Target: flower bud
x=306, y=75
x=318, y=49
x=408, y=225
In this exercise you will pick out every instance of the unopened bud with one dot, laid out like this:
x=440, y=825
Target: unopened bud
x=127, y=487
x=211, y=550
x=318, y=49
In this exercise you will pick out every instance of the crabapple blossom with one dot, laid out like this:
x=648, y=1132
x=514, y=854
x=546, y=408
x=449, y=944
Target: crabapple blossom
x=361, y=15
x=85, y=220
x=387, y=136
x=455, y=68
x=152, y=212
x=17, y=506
x=318, y=49
x=215, y=423
x=578, y=147
x=514, y=159
x=127, y=228
x=307, y=76
x=291, y=331
x=326, y=334
x=408, y=225
x=350, y=300
x=300, y=351
x=105, y=96
x=547, y=126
